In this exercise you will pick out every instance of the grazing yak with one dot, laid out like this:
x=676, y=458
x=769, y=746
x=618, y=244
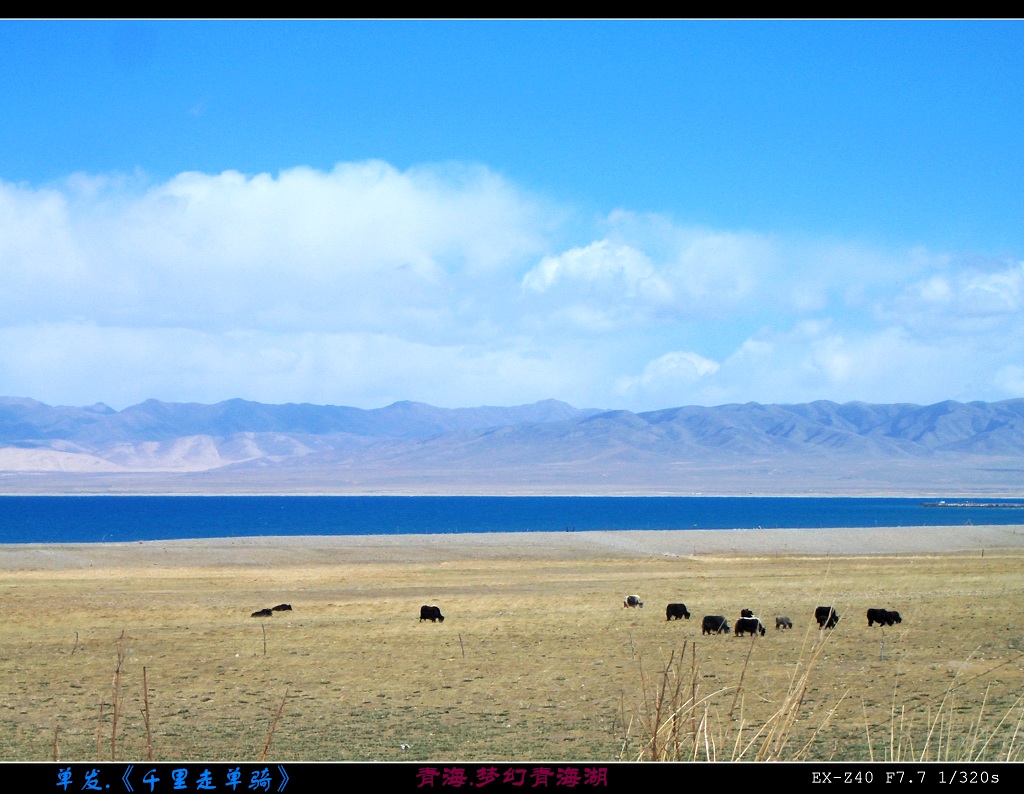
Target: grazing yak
x=746, y=613
x=262, y=613
x=883, y=617
x=433, y=614
x=827, y=617
x=632, y=601
x=749, y=625
x=677, y=611
x=782, y=622
x=714, y=624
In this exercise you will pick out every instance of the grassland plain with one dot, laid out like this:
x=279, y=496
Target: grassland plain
x=537, y=659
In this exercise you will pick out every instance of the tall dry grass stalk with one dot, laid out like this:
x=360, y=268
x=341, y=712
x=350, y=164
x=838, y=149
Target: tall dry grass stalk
x=673, y=722
x=99, y=734
x=948, y=738
x=145, y=714
x=116, y=696
x=273, y=727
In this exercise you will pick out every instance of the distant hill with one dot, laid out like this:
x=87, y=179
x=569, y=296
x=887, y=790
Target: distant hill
x=238, y=446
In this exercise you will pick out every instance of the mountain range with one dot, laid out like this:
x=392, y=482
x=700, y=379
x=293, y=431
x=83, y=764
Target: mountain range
x=239, y=446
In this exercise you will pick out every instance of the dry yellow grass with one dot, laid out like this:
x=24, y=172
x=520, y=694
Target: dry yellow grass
x=537, y=659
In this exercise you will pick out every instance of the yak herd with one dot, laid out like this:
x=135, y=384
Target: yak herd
x=747, y=623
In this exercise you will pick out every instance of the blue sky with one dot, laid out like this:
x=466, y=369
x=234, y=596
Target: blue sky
x=616, y=214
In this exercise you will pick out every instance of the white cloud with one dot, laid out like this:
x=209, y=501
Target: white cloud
x=994, y=293
x=366, y=284
x=598, y=288
x=819, y=361
x=364, y=246
x=621, y=268
x=968, y=299
x=647, y=268
x=79, y=364
x=672, y=374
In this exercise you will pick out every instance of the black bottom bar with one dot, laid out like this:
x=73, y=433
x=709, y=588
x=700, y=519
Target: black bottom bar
x=448, y=777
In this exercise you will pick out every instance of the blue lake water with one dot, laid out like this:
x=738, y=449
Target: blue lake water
x=95, y=519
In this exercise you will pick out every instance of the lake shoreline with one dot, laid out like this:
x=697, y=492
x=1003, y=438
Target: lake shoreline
x=566, y=545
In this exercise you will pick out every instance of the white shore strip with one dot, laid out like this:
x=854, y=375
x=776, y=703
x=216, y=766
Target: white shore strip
x=317, y=549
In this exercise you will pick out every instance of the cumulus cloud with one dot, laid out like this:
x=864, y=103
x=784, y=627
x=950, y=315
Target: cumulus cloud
x=449, y=284
x=600, y=286
x=363, y=246
x=818, y=360
x=621, y=268
x=972, y=292
x=971, y=299
x=671, y=374
x=649, y=268
x=822, y=359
